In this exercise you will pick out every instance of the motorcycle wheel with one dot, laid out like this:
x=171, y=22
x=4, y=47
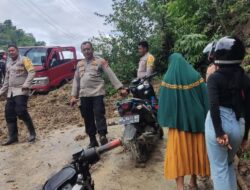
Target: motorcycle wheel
x=161, y=133
x=139, y=151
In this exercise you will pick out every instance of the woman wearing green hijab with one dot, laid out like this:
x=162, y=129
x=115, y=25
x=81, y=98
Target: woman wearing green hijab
x=183, y=106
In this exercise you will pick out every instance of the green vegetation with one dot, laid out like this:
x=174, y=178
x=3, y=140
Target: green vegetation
x=169, y=25
x=9, y=34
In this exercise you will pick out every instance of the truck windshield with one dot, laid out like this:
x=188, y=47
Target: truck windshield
x=35, y=54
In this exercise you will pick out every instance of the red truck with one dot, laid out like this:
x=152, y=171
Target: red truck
x=54, y=65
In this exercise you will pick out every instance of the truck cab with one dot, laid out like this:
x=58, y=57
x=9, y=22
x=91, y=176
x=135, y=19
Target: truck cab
x=53, y=65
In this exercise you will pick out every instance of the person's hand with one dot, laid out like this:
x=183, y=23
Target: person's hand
x=105, y=63
x=244, y=144
x=73, y=101
x=224, y=141
x=210, y=70
x=123, y=92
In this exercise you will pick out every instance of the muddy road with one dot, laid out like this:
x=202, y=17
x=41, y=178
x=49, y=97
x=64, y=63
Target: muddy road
x=60, y=131
x=27, y=166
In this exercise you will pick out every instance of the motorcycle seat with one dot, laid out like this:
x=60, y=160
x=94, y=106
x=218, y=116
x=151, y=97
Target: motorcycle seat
x=65, y=175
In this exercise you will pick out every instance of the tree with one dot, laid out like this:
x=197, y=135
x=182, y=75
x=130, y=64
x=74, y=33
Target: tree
x=9, y=34
x=171, y=25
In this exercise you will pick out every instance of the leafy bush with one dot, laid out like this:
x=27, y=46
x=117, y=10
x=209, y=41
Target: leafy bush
x=124, y=72
x=191, y=46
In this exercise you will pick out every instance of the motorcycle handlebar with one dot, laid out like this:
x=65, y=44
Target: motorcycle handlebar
x=107, y=147
x=149, y=76
x=92, y=155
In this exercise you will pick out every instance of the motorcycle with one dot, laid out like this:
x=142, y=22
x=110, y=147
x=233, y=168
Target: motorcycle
x=139, y=116
x=76, y=176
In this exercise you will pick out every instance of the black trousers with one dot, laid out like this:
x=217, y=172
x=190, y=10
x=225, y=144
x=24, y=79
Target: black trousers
x=93, y=112
x=2, y=72
x=17, y=107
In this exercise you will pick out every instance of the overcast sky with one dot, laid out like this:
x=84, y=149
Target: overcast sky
x=58, y=22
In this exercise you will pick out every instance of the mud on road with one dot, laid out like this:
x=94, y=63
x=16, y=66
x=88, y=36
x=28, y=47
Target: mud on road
x=27, y=167
x=50, y=112
x=60, y=131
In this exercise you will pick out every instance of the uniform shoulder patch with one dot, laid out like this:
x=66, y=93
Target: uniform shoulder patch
x=28, y=64
x=81, y=63
x=150, y=60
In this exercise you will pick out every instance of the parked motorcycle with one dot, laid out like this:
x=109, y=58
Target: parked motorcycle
x=76, y=176
x=139, y=116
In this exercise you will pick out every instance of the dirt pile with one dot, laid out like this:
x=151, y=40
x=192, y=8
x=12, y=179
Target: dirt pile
x=52, y=111
x=49, y=112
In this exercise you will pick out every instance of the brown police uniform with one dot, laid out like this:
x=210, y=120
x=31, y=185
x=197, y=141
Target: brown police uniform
x=89, y=85
x=19, y=74
x=146, y=65
x=18, y=79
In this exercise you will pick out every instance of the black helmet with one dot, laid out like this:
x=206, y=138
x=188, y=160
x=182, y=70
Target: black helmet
x=229, y=50
x=208, y=51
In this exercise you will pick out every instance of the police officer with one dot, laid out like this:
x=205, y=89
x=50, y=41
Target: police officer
x=19, y=75
x=146, y=64
x=88, y=84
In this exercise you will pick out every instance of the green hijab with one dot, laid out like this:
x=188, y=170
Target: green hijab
x=183, y=102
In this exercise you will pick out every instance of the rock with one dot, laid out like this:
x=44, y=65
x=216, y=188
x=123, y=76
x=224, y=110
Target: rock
x=10, y=181
x=243, y=170
x=80, y=125
x=80, y=137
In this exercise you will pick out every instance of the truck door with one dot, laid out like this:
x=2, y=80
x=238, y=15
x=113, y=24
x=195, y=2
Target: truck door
x=55, y=71
x=69, y=61
x=62, y=64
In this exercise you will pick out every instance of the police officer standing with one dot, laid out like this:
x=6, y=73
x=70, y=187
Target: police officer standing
x=88, y=85
x=19, y=75
x=146, y=64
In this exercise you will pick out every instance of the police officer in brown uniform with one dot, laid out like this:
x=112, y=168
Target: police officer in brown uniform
x=88, y=85
x=146, y=64
x=19, y=75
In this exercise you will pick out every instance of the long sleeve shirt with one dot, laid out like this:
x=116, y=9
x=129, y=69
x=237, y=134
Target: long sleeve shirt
x=221, y=93
x=88, y=80
x=19, y=76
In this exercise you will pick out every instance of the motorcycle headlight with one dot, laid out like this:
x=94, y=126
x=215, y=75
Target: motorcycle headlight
x=40, y=81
